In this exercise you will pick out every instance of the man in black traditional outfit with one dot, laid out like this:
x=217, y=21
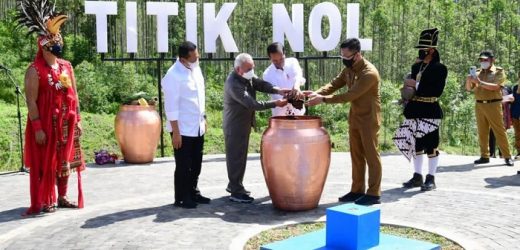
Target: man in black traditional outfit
x=419, y=133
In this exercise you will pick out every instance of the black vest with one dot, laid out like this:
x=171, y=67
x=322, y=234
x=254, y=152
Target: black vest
x=432, y=84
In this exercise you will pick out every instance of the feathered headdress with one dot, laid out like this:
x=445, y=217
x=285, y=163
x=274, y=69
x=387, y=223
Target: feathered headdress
x=40, y=17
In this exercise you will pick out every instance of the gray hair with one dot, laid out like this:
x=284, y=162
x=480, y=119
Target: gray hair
x=241, y=59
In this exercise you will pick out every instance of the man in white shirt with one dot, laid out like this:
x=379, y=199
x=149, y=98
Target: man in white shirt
x=283, y=73
x=184, y=105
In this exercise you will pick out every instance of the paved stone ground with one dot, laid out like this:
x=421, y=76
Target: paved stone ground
x=130, y=207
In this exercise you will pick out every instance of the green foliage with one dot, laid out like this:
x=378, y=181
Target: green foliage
x=78, y=49
x=9, y=142
x=12, y=42
x=103, y=87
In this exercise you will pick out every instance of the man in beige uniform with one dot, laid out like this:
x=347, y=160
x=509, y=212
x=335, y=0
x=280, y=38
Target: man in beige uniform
x=362, y=80
x=487, y=86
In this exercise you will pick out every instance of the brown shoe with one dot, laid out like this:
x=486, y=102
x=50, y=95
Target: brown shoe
x=49, y=209
x=64, y=203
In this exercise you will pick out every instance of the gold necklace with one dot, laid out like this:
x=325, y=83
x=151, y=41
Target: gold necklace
x=421, y=70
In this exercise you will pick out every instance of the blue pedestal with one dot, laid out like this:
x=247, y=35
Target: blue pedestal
x=350, y=227
x=353, y=227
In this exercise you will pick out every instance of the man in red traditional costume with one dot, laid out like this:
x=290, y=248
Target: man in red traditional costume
x=52, y=148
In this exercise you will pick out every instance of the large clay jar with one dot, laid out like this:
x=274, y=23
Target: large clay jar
x=137, y=131
x=295, y=161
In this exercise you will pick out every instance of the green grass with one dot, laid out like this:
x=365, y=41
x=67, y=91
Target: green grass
x=285, y=232
x=98, y=133
x=9, y=142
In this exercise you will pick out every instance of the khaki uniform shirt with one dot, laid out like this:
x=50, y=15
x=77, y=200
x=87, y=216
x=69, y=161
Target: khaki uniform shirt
x=494, y=75
x=362, y=81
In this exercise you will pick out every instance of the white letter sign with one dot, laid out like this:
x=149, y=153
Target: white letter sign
x=318, y=12
x=282, y=25
x=353, y=26
x=191, y=22
x=215, y=25
x=131, y=27
x=218, y=26
x=101, y=9
x=162, y=10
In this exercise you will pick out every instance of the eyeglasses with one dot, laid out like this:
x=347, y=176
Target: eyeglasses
x=348, y=57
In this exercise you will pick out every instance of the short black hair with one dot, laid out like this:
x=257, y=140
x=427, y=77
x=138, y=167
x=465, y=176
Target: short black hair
x=185, y=48
x=352, y=44
x=275, y=47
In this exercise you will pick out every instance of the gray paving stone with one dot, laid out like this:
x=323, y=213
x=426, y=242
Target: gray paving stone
x=130, y=207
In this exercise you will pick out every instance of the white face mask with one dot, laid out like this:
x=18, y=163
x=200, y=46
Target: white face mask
x=485, y=65
x=249, y=75
x=194, y=64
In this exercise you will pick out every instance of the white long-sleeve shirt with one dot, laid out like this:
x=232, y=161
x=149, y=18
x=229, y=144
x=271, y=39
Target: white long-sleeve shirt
x=288, y=77
x=184, y=99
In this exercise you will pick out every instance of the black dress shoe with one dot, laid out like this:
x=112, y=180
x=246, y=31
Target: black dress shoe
x=416, y=181
x=510, y=162
x=350, y=197
x=201, y=199
x=368, y=200
x=186, y=203
x=241, y=198
x=482, y=160
x=429, y=183
x=246, y=191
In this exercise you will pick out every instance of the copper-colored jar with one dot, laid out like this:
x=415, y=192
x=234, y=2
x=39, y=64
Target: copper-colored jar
x=295, y=161
x=137, y=131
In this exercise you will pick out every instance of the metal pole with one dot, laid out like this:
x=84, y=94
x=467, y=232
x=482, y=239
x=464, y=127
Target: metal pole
x=307, y=81
x=20, y=138
x=19, y=127
x=307, y=77
x=159, y=92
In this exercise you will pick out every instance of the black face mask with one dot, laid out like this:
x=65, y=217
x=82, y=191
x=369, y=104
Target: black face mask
x=56, y=50
x=423, y=54
x=348, y=63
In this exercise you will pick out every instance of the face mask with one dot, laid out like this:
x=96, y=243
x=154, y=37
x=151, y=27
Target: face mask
x=249, y=75
x=56, y=50
x=485, y=65
x=348, y=63
x=423, y=54
x=194, y=64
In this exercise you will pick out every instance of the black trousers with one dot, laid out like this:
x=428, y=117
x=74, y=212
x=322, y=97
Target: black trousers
x=188, y=162
x=428, y=144
x=492, y=144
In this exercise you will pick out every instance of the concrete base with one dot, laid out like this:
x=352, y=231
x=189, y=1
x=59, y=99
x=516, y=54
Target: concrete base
x=316, y=241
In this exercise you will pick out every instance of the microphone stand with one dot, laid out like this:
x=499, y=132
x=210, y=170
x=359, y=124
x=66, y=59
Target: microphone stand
x=18, y=93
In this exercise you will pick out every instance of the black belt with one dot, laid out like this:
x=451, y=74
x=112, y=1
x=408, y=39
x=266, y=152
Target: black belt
x=489, y=101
